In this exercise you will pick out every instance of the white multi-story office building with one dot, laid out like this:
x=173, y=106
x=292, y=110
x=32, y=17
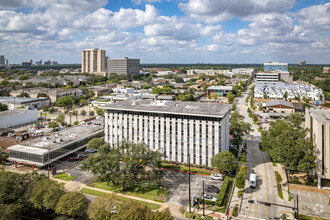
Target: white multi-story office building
x=268, y=77
x=124, y=66
x=177, y=129
x=93, y=61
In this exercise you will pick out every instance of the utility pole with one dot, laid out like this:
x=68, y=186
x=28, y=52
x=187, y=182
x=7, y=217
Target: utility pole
x=189, y=184
x=48, y=161
x=297, y=206
x=203, y=201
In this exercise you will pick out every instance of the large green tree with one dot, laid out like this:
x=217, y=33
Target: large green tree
x=224, y=161
x=46, y=194
x=230, y=97
x=128, y=163
x=95, y=143
x=237, y=126
x=71, y=203
x=286, y=143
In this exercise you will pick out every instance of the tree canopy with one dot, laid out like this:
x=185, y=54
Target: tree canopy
x=286, y=143
x=108, y=207
x=128, y=164
x=237, y=126
x=95, y=143
x=224, y=161
x=3, y=107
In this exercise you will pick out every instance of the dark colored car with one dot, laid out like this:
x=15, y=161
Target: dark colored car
x=211, y=188
x=78, y=157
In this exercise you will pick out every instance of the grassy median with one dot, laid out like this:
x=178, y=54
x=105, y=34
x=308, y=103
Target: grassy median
x=64, y=176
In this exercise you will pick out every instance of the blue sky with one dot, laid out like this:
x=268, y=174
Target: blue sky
x=167, y=31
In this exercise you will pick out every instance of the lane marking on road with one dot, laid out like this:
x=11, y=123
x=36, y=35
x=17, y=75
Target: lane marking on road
x=263, y=163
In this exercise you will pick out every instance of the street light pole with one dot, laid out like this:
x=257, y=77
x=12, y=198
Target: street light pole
x=203, y=201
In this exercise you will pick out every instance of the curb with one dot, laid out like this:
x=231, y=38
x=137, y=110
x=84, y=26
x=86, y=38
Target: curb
x=72, y=167
x=184, y=171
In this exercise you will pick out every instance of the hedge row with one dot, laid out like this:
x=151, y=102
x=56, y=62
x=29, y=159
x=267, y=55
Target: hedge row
x=221, y=195
x=185, y=169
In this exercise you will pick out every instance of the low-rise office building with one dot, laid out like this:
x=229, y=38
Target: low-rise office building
x=53, y=94
x=16, y=117
x=177, y=129
x=47, y=149
x=18, y=102
x=318, y=121
x=279, y=106
x=219, y=90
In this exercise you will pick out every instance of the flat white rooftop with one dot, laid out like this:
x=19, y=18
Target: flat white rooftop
x=42, y=145
x=172, y=107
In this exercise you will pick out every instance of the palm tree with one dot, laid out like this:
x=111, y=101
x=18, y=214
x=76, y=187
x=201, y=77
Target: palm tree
x=75, y=112
x=70, y=114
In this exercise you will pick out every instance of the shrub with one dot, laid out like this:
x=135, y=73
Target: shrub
x=279, y=190
x=278, y=177
x=240, y=193
x=235, y=211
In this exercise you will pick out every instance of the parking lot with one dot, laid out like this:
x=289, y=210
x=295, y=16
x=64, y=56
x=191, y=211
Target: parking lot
x=312, y=203
x=178, y=186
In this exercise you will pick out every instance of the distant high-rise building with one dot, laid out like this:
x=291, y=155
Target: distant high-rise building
x=47, y=62
x=302, y=63
x=273, y=66
x=124, y=66
x=93, y=61
x=26, y=64
x=6, y=62
x=2, y=60
x=39, y=63
x=53, y=63
x=30, y=61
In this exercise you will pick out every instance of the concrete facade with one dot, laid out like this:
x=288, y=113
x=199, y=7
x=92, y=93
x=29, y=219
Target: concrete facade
x=268, y=77
x=318, y=121
x=124, y=66
x=93, y=61
x=176, y=129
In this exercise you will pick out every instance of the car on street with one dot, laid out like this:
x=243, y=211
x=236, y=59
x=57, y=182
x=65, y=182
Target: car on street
x=216, y=177
x=211, y=188
x=90, y=150
x=78, y=157
x=209, y=197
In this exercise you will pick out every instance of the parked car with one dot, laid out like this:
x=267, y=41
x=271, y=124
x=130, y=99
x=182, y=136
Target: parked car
x=209, y=197
x=211, y=188
x=216, y=176
x=78, y=157
x=90, y=150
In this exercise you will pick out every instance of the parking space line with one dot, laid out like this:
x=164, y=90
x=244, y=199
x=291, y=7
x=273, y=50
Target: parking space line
x=320, y=198
x=310, y=196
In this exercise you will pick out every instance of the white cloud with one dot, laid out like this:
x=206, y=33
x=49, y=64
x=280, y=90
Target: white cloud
x=315, y=17
x=220, y=10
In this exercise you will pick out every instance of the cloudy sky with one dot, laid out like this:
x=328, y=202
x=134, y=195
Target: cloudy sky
x=167, y=31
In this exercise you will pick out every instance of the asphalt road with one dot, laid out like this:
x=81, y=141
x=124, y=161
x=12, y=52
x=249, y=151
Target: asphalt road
x=260, y=164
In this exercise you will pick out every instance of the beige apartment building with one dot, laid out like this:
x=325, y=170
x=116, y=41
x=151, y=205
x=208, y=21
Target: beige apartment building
x=318, y=120
x=93, y=61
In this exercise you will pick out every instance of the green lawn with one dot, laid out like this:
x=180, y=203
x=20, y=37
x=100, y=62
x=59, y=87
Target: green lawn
x=305, y=217
x=196, y=216
x=120, y=198
x=64, y=176
x=150, y=193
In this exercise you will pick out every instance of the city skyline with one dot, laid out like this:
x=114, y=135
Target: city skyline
x=167, y=31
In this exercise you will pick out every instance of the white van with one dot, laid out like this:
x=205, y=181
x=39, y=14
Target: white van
x=253, y=180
